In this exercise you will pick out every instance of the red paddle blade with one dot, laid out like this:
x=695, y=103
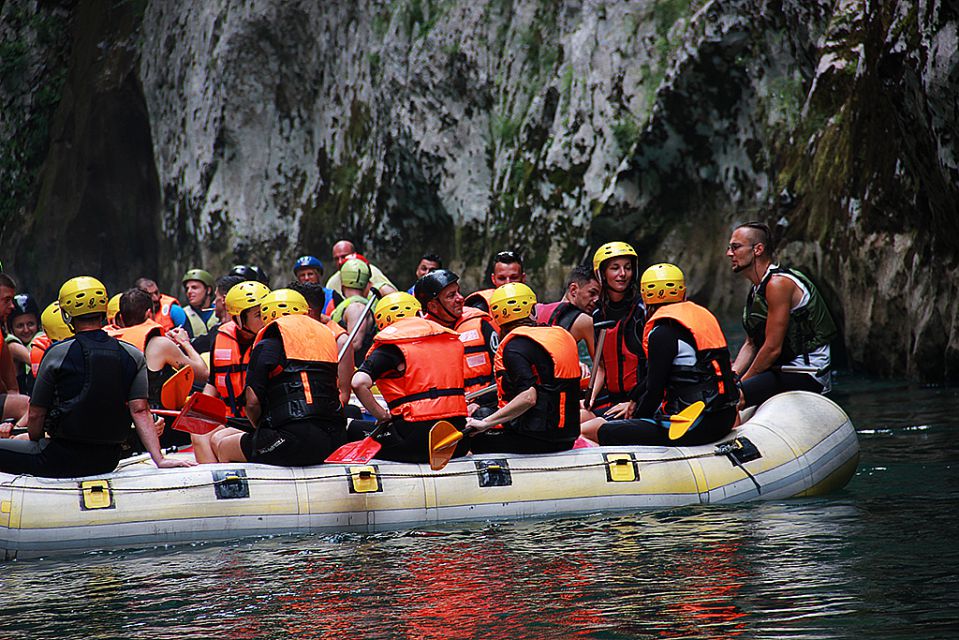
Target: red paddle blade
x=201, y=415
x=359, y=452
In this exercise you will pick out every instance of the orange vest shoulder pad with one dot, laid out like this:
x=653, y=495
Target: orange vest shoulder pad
x=557, y=341
x=303, y=338
x=139, y=334
x=416, y=328
x=700, y=322
x=334, y=327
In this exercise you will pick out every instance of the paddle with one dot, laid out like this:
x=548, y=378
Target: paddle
x=443, y=440
x=685, y=420
x=597, y=358
x=362, y=451
x=175, y=390
x=140, y=457
x=374, y=294
x=200, y=415
x=799, y=369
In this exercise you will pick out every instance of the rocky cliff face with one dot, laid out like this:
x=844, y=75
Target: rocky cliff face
x=217, y=132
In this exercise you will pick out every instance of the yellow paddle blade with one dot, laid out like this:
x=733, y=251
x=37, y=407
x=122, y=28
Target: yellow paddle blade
x=683, y=421
x=443, y=439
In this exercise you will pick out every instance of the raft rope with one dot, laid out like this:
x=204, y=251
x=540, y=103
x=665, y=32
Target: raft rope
x=380, y=474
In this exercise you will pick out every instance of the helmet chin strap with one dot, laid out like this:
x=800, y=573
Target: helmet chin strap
x=452, y=318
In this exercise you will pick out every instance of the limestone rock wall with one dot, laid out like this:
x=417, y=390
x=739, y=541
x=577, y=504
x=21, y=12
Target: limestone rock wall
x=210, y=133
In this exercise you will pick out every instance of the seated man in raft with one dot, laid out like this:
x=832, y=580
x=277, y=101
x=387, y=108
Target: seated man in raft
x=292, y=398
x=88, y=389
x=537, y=370
x=687, y=362
x=417, y=365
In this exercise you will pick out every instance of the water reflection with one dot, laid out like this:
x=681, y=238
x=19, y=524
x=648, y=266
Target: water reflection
x=876, y=559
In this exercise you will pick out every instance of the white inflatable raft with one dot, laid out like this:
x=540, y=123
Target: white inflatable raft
x=797, y=444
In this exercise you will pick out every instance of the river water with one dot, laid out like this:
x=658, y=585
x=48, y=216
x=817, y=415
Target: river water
x=878, y=559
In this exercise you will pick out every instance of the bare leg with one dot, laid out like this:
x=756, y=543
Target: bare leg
x=227, y=446
x=15, y=406
x=203, y=448
x=590, y=429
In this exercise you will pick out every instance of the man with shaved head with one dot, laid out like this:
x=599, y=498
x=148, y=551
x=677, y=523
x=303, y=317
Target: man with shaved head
x=788, y=326
x=343, y=250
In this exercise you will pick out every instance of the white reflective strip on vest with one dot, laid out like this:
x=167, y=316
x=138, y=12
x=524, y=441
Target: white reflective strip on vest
x=472, y=334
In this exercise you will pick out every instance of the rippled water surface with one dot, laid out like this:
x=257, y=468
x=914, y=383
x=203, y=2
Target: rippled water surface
x=878, y=559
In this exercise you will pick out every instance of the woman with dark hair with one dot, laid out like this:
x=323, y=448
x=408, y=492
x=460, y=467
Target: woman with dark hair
x=622, y=363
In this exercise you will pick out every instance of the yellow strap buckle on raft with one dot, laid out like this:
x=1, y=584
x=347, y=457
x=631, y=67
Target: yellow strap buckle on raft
x=364, y=480
x=96, y=494
x=621, y=467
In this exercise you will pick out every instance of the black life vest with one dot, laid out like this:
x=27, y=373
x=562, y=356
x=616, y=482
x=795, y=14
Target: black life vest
x=306, y=385
x=99, y=413
x=564, y=315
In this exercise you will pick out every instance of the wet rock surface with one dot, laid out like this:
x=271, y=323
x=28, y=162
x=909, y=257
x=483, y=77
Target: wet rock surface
x=185, y=133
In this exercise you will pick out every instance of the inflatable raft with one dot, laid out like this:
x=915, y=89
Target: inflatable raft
x=796, y=444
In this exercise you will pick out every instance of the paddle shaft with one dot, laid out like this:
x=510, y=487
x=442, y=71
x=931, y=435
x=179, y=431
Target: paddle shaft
x=480, y=392
x=597, y=358
x=374, y=294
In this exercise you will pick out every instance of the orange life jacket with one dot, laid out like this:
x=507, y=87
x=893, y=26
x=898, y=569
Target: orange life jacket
x=162, y=317
x=229, y=363
x=477, y=365
x=139, y=334
x=431, y=386
x=557, y=401
x=710, y=379
x=306, y=385
x=480, y=300
x=38, y=347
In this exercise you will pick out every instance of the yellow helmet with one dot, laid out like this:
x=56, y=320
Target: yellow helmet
x=355, y=274
x=282, y=302
x=395, y=306
x=52, y=321
x=244, y=295
x=81, y=296
x=612, y=250
x=510, y=302
x=662, y=283
x=113, y=307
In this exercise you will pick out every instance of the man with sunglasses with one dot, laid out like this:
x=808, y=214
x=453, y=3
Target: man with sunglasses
x=788, y=326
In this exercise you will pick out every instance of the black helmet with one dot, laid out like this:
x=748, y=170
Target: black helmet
x=430, y=285
x=23, y=303
x=250, y=272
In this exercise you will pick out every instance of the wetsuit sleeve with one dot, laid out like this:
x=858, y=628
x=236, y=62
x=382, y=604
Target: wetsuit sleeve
x=522, y=359
x=140, y=385
x=381, y=361
x=663, y=347
x=266, y=356
x=490, y=337
x=43, y=388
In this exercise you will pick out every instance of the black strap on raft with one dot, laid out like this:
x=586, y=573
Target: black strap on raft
x=739, y=451
x=431, y=394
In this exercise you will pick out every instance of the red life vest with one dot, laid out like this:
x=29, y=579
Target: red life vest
x=559, y=395
x=229, y=364
x=544, y=310
x=710, y=379
x=139, y=334
x=477, y=367
x=431, y=386
x=621, y=364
